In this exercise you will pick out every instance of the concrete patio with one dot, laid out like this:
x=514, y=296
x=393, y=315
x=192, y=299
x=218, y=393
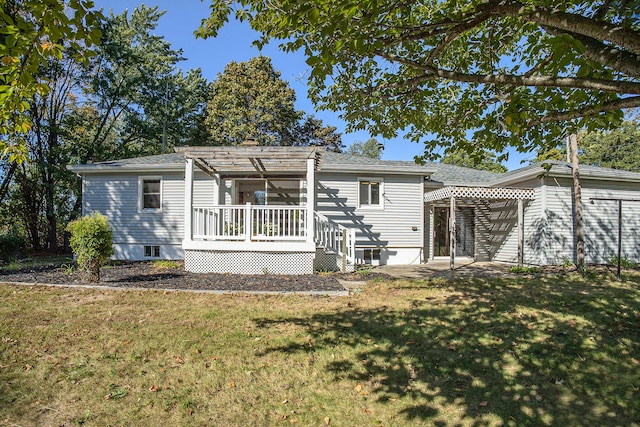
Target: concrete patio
x=464, y=267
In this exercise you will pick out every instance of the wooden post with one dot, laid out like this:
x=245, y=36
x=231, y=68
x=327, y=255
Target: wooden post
x=248, y=223
x=520, y=232
x=344, y=250
x=431, y=237
x=577, y=191
x=452, y=232
x=188, y=200
x=311, y=199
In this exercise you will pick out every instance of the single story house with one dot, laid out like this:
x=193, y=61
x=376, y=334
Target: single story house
x=293, y=210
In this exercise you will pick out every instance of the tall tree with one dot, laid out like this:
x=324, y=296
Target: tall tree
x=484, y=73
x=483, y=160
x=114, y=106
x=370, y=148
x=312, y=131
x=32, y=32
x=617, y=149
x=135, y=91
x=250, y=100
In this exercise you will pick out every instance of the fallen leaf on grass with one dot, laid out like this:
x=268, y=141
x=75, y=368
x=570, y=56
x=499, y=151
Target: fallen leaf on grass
x=484, y=403
x=232, y=384
x=178, y=359
x=27, y=367
x=327, y=421
x=153, y=388
x=635, y=361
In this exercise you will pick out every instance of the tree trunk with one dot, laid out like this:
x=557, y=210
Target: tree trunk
x=52, y=222
x=4, y=187
x=577, y=191
x=94, y=271
x=30, y=203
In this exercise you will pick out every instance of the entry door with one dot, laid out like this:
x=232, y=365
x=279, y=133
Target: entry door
x=441, y=230
x=465, y=232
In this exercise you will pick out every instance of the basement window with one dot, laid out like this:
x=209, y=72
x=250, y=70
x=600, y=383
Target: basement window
x=371, y=256
x=152, y=251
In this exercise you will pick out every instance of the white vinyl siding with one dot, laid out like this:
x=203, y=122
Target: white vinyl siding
x=550, y=230
x=503, y=228
x=601, y=221
x=204, y=190
x=391, y=228
x=117, y=197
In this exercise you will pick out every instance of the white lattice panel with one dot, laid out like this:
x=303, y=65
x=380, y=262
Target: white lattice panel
x=247, y=262
x=329, y=262
x=486, y=193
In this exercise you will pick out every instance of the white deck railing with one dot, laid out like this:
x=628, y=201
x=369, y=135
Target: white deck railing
x=335, y=237
x=250, y=222
x=272, y=223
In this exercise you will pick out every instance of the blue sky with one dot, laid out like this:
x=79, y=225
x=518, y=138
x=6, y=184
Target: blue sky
x=233, y=43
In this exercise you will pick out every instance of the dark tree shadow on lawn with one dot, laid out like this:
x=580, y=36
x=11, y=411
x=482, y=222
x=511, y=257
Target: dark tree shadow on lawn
x=554, y=352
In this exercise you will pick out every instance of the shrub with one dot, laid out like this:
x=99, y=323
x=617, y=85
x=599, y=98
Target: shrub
x=11, y=245
x=91, y=242
x=624, y=262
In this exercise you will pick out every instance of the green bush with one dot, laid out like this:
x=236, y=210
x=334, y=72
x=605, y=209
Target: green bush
x=91, y=242
x=11, y=245
x=624, y=262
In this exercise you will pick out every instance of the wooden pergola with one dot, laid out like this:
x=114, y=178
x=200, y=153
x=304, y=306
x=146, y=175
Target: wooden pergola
x=253, y=159
x=248, y=159
x=452, y=193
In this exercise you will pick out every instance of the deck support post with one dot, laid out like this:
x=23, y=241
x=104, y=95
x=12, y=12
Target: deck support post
x=248, y=223
x=452, y=232
x=431, y=235
x=188, y=200
x=311, y=198
x=520, y=232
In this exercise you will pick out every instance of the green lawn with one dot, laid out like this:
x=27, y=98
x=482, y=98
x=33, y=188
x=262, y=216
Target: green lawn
x=530, y=351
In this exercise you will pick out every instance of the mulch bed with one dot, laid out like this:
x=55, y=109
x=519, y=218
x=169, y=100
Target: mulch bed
x=146, y=275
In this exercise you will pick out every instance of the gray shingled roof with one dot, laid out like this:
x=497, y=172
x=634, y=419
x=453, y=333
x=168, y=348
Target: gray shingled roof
x=446, y=174
x=458, y=175
x=161, y=161
x=563, y=168
x=439, y=172
x=340, y=162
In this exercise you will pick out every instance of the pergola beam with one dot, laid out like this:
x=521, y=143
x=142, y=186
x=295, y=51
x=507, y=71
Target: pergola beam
x=262, y=160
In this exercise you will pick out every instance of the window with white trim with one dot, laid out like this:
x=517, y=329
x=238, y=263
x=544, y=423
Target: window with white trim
x=150, y=193
x=370, y=193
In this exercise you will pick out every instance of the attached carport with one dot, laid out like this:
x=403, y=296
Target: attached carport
x=454, y=193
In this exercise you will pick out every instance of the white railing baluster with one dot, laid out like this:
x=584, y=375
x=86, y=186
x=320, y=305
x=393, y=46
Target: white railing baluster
x=249, y=222
x=335, y=237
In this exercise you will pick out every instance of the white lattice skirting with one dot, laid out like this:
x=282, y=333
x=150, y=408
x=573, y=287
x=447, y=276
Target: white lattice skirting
x=247, y=262
x=329, y=262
